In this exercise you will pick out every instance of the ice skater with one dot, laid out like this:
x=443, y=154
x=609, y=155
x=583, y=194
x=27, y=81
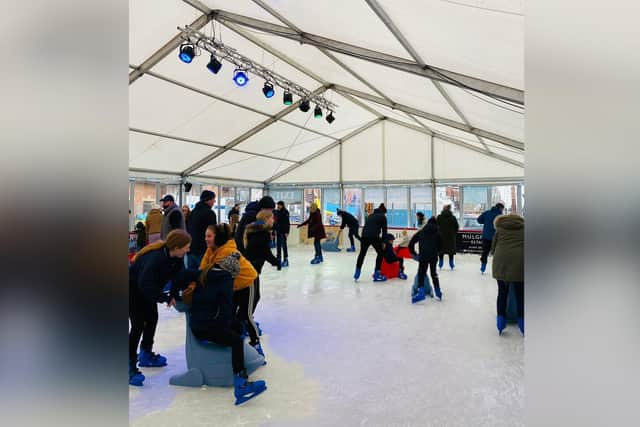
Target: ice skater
x=390, y=256
x=282, y=227
x=350, y=221
x=315, y=230
x=488, y=230
x=428, y=239
x=374, y=228
x=508, y=265
x=448, y=226
x=152, y=268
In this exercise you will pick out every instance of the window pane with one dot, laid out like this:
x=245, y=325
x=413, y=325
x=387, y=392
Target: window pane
x=243, y=195
x=144, y=199
x=475, y=202
x=397, y=215
x=421, y=202
x=331, y=202
x=311, y=195
x=507, y=194
x=449, y=195
x=226, y=200
x=257, y=193
x=173, y=189
x=353, y=202
x=292, y=200
x=193, y=196
x=372, y=199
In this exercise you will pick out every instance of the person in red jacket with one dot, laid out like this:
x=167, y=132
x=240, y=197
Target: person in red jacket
x=315, y=230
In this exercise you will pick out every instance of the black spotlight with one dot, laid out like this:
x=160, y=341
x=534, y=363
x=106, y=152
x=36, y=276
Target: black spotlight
x=268, y=91
x=214, y=65
x=304, y=106
x=187, y=53
x=330, y=117
x=287, y=98
x=317, y=112
x=187, y=187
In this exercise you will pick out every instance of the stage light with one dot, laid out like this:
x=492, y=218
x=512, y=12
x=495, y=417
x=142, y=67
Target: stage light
x=287, y=98
x=304, y=106
x=330, y=117
x=317, y=112
x=240, y=77
x=187, y=52
x=267, y=89
x=214, y=65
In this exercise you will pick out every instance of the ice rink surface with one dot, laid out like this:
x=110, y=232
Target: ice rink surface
x=348, y=354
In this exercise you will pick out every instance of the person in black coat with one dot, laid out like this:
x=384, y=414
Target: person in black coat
x=201, y=217
x=350, y=221
x=265, y=204
x=235, y=210
x=282, y=226
x=429, y=243
x=211, y=318
x=374, y=228
x=152, y=268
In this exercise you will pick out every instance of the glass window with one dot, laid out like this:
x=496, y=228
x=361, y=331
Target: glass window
x=144, y=199
x=243, y=195
x=311, y=195
x=421, y=202
x=449, y=195
x=257, y=193
x=193, y=196
x=226, y=200
x=507, y=194
x=397, y=215
x=292, y=200
x=475, y=202
x=331, y=202
x=173, y=189
x=353, y=202
x=372, y=199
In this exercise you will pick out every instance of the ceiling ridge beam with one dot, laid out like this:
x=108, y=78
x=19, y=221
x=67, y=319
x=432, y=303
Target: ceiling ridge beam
x=248, y=134
x=168, y=47
x=393, y=28
x=402, y=64
x=324, y=149
x=235, y=104
x=208, y=144
x=438, y=119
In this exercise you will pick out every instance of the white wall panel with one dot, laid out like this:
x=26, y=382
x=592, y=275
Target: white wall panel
x=362, y=156
x=407, y=153
x=453, y=161
x=324, y=168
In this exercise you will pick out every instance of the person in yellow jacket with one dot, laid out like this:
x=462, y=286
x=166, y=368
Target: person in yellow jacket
x=153, y=224
x=220, y=245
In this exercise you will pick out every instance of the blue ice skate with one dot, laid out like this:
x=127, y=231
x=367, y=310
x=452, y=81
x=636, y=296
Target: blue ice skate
x=356, y=275
x=245, y=390
x=521, y=325
x=501, y=323
x=379, y=277
x=285, y=263
x=483, y=267
x=438, y=293
x=135, y=376
x=315, y=260
x=451, y=264
x=402, y=276
x=440, y=263
x=149, y=359
x=419, y=296
x=351, y=249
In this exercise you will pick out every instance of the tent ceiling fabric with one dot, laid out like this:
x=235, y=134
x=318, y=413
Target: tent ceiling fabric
x=481, y=43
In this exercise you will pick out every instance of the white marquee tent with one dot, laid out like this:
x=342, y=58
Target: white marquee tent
x=425, y=91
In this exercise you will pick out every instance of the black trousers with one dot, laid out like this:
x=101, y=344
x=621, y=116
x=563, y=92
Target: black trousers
x=391, y=258
x=317, y=246
x=365, y=242
x=281, y=245
x=353, y=232
x=243, y=308
x=423, y=266
x=486, y=248
x=503, y=293
x=441, y=257
x=143, y=315
x=229, y=337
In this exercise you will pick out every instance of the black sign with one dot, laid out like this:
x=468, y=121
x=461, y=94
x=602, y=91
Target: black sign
x=469, y=241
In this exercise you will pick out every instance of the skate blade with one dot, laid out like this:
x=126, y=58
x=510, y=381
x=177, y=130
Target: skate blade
x=242, y=399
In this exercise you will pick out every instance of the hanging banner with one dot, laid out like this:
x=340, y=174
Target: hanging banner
x=469, y=241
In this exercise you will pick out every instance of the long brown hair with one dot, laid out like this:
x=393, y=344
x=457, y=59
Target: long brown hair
x=176, y=239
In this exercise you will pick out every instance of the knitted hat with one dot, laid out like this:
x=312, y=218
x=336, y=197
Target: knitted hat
x=266, y=203
x=231, y=264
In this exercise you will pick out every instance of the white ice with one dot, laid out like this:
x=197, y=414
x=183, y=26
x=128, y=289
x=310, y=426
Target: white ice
x=356, y=354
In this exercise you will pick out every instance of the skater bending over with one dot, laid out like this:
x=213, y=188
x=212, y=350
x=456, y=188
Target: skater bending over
x=390, y=256
x=350, y=221
x=152, y=268
x=508, y=265
x=428, y=240
x=211, y=319
x=374, y=228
